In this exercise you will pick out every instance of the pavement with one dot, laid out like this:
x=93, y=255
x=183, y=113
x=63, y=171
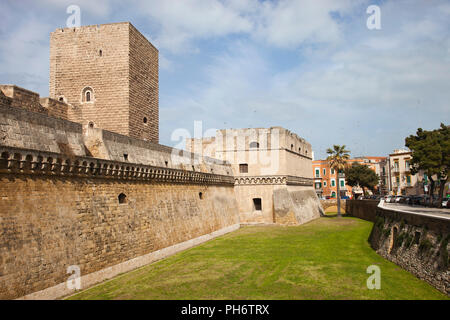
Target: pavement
x=435, y=212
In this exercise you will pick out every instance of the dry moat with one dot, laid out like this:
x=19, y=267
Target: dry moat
x=323, y=259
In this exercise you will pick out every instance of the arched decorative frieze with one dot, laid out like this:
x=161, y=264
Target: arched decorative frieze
x=17, y=160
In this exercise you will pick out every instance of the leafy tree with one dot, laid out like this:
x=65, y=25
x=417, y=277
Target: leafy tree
x=337, y=159
x=431, y=153
x=361, y=175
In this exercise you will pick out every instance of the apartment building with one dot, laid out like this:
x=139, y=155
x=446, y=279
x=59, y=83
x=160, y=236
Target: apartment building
x=326, y=179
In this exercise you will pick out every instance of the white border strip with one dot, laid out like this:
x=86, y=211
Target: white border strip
x=93, y=278
x=381, y=205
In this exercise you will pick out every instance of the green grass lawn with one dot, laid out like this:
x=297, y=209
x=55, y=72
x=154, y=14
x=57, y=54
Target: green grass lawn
x=324, y=259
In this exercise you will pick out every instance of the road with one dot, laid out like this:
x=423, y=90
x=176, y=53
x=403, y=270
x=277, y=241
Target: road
x=435, y=212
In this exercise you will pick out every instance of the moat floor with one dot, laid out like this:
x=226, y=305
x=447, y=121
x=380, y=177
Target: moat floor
x=323, y=259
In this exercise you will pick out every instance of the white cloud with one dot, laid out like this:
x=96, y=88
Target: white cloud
x=286, y=23
x=183, y=21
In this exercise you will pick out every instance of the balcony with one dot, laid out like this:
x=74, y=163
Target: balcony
x=395, y=170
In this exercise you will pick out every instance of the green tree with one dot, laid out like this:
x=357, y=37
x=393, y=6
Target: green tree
x=431, y=153
x=337, y=159
x=361, y=175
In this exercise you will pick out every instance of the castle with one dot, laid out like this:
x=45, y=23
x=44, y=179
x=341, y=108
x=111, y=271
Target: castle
x=85, y=182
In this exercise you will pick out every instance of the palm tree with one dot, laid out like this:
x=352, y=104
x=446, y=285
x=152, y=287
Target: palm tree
x=337, y=159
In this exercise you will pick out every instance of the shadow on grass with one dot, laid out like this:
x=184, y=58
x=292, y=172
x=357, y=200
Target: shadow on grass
x=334, y=215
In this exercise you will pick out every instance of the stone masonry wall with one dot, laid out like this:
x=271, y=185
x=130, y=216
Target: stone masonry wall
x=49, y=223
x=332, y=203
x=417, y=243
x=363, y=209
x=294, y=205
x=95, y=57
x=143, y=88
x=55, y=108
x=23, y=129
x=119, y=65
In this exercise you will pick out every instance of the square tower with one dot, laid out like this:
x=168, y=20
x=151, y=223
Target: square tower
x=109, y=74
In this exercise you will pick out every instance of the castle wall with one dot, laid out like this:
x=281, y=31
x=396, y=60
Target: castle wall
x=55, y=108
x=295, y=204
x=57, y=211
x=50, y=223
x=247, y=212
x=30, y=130
x=23, y=98
x=59, y=202
x=295, y=164
x=23, y=129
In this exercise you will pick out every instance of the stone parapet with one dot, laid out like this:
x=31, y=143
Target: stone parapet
x=274, y=180
x=17, y=160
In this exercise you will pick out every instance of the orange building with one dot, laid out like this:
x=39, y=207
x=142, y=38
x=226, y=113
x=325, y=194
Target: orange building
x=326, y=179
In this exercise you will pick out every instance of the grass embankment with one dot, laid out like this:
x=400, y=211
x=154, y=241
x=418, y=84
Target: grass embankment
x=324, y=259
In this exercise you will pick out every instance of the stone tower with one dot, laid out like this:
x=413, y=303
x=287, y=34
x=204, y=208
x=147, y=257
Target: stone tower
x=109, y=74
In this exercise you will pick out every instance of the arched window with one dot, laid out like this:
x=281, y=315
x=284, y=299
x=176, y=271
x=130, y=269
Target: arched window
x=333, y=194
x=254, y=144
x=87, y=95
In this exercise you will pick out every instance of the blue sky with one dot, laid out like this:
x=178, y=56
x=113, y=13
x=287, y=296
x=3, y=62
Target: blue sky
x=310, y=66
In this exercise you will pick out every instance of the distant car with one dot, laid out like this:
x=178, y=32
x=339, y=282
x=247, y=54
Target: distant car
x=423, y=201
x=402, y=199
x=436, y=202
x=414, y=200
x=445, y=203
x=406, y=199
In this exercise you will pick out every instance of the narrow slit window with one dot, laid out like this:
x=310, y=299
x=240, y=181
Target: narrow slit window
x=257, y=205
x=122, y=198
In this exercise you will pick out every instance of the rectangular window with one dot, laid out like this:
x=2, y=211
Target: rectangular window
x=317, y=173
x=257, y=204
x=342, y=183
x=332, y=171
x=408, y=179
x=324, y=172
x=333, y=183
x=243, y=168
x=324, y=183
